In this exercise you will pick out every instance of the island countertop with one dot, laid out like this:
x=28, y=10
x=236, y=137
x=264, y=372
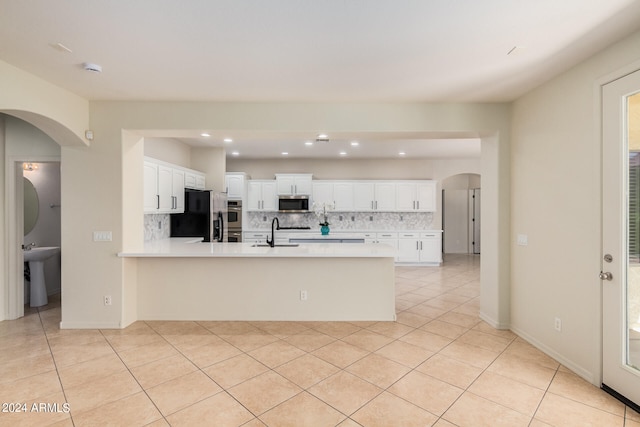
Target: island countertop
x=193, y=248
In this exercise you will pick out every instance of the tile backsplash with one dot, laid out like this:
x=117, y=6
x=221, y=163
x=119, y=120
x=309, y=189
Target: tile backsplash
x=156, y=227
x=344, y=220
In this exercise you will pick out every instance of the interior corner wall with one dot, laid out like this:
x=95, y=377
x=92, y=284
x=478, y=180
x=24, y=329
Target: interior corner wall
x=556, y=202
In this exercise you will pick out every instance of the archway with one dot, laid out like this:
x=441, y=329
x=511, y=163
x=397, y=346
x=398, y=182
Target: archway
x=12, y=262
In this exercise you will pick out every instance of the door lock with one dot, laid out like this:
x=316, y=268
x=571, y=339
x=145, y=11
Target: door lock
x=608, y=258
x=606, y=276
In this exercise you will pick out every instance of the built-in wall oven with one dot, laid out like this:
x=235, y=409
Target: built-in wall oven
x=234, y=220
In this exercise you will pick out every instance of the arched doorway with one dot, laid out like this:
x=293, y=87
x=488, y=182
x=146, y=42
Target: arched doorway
x=13, y=260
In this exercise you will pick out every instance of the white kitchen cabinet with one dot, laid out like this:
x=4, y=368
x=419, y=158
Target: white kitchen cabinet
x=150, y=191
x=294, y=184
x=431, y=247
x=419, y=196
x=235, y=186
x=374, y=196
x=408, y=247
x=253, y=237
x=336, y=192
x=163, y=188
x=261, y=195
x=420, y=247
x=194, y=180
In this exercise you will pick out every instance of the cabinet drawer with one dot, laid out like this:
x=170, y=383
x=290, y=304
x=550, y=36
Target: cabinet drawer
x=404, y=235
x=430, y=235
x=387, y=235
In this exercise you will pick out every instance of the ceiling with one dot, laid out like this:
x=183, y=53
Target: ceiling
x=308, y=50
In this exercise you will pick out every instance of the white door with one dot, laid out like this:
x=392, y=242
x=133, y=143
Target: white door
x=621, y=237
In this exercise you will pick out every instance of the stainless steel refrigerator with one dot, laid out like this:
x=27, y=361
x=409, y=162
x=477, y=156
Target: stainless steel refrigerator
x=205, y=214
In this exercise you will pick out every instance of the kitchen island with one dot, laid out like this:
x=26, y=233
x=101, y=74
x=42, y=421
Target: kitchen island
x=179, y=279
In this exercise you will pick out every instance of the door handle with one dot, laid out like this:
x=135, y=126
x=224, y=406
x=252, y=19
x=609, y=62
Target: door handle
x=606, y=276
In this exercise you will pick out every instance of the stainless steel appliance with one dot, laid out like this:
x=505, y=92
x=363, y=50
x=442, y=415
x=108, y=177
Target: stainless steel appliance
x=234, y=220
x=205, y=215
x=293, y=203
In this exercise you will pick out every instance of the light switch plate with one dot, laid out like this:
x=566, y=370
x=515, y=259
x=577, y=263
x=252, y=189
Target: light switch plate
x=102, y=236
x=523, y=240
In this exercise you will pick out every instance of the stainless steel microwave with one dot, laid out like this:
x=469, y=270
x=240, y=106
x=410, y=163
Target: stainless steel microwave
x=293, y=203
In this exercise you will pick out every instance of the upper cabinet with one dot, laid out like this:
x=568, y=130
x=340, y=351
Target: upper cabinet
x=235, y=185
x=293, y=184
x=339, y=193
x=164, y=186
x=374, y=196
x=419, y=196
x=261, y=195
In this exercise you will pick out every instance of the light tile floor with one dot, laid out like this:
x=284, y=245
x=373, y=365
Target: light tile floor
x=437, y=365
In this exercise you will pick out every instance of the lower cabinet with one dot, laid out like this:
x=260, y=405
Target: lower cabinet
x=423, y=247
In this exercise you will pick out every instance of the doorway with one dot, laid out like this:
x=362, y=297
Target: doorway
x=461, y=221
x=620, y=269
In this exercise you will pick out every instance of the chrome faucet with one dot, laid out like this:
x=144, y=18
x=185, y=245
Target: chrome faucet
x=275, y=221
x=29, y=246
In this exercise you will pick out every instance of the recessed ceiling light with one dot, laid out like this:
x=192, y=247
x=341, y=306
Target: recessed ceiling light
x=354, y=143
x=206, y=135
x=235, y=153
x=323, y=136
x=343, y=153
x=228, y=140
x=402, y=153
x=308, y=143
x=285, y=153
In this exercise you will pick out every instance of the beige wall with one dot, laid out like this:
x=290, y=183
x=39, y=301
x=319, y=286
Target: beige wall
x=555, y=200
x=168, y=150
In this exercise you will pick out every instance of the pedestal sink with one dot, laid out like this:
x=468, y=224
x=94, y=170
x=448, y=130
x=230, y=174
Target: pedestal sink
x=36, y=258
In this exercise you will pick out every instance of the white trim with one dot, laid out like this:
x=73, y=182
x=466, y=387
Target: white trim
x=592, y=377
x=492, y=322
x=90, y=325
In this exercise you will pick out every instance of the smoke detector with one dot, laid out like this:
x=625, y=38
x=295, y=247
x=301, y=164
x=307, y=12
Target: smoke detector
x=95, y=68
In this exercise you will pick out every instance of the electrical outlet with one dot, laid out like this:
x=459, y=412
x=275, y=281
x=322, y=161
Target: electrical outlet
x=107, y=300
x=557, y=324
x=303, y=295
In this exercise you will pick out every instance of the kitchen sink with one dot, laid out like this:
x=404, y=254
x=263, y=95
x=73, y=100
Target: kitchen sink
x=277, y=245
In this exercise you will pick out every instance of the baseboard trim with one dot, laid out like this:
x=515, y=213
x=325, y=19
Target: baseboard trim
x=90, y=325
x=577, y=369
x=494, y=324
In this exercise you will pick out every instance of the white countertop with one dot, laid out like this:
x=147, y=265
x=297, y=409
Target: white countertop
x=185, y=247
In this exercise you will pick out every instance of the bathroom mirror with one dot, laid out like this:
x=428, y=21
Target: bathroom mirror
x=31, y=206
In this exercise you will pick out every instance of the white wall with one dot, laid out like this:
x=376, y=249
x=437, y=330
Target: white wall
x=555, y=179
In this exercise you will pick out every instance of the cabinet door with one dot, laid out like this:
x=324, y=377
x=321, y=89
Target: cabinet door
x=426, y=196
x=431, y=250
x=343, y=196
x=390, y=242
x=385, y=196
x=177, y=190
x=405, y=196
x=269, y=196
x=150, y=196
x=165, y=188
x=234, y=186
x=408, y=250
x=285, y=185
x=254, y=196
x=322, y=192
x=302, y=185
x=363, y=196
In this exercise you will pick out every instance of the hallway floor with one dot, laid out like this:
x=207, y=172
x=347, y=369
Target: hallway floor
x=439, y=365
